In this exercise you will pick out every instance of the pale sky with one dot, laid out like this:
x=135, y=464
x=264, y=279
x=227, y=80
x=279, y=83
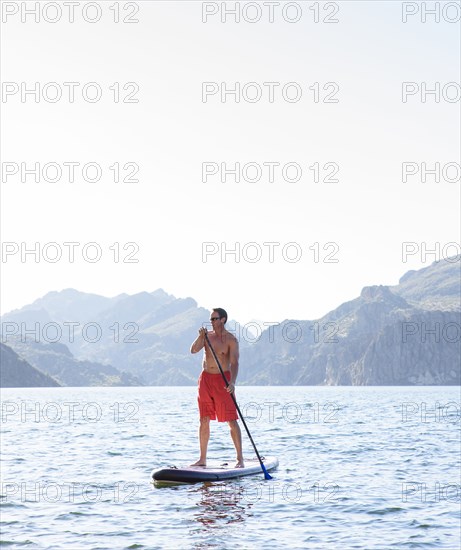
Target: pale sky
x=170, y=214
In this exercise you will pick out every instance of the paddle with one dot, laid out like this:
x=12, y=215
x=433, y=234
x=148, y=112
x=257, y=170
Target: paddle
x=266, y=473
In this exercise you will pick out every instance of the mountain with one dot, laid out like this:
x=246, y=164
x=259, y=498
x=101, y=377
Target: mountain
x=436, y=287
x=17, y=373
x=68, y=304
x=57, y=361
x=406, y=334
x=147, y=335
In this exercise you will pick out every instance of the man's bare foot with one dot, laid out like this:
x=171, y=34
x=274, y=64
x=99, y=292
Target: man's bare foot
x=199, y=463
x=239, y=464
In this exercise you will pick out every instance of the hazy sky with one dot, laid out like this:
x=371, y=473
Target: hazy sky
x=348, y=100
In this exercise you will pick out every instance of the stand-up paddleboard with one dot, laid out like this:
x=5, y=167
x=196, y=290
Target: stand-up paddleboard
x=212, y=472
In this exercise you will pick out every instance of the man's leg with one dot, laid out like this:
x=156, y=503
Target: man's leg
x=236, y=435
x=204, y=436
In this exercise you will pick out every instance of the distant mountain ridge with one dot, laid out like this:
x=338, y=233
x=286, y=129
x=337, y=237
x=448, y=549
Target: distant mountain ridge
x=146, y=335
x=57, y=362
x=374, y=339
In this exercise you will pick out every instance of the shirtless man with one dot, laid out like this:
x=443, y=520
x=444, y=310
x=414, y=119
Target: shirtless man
x=214, y=399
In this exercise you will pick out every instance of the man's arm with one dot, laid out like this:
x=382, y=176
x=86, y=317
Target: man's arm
x=199, y=342
x=234, y=363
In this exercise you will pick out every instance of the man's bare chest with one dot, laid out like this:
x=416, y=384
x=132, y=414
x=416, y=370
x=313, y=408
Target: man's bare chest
x=220, y=345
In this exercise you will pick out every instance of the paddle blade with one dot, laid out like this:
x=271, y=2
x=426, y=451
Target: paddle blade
x=266, y=473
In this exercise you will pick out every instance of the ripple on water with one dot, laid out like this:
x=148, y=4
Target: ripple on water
x=385, y=511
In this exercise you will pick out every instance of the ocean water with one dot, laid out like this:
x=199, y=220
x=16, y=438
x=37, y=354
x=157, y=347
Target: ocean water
x=360, y=468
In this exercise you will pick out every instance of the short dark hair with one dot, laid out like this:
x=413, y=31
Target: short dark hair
x=221, y=312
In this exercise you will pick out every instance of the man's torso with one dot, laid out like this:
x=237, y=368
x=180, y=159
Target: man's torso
x=222, y=348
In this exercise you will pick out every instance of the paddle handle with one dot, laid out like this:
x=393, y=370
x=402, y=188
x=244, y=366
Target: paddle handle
x=266, y=473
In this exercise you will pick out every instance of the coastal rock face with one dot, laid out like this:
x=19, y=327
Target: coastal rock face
x=422, y=350
x=407, y=334
x=17, y=373
x=404, y=335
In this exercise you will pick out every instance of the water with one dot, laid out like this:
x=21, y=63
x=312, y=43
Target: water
x=360, y=468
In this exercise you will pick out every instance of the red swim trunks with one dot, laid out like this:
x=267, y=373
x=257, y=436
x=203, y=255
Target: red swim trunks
x=213, y=398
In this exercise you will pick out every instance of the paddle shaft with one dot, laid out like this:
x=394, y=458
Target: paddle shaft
x=266, y=473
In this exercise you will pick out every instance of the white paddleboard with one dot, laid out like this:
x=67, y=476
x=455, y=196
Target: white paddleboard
x=212, y=472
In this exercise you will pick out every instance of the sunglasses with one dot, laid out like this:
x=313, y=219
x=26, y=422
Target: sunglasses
x=215, y=318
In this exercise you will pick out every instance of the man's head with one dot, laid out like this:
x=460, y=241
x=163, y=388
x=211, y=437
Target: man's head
x=218, y=316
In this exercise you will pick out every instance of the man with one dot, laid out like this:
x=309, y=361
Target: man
x=214, y=399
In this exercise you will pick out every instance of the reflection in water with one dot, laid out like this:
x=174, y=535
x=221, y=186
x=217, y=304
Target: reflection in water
x=220, y=505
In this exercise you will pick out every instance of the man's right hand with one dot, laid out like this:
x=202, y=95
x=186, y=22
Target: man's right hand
x=200, y=341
